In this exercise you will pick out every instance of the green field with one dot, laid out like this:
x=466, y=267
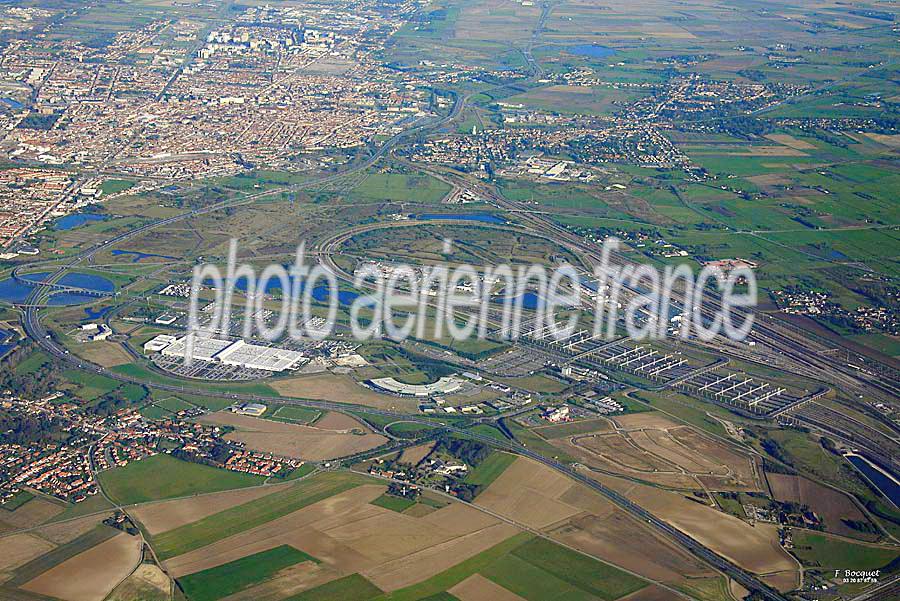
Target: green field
x=394, y=503
x=394, y=186
x=17, y=501
x=300, y=472
x=294, y=414
x=113, y=186
x=829, y=553
x=255, y=513
x=242, y=573
x=164, y=477
x=486, y=430
x=349, y=588
x=490, y=469
x=90, y=386
x=32, y=363
x=408, y=429
x=534, y=568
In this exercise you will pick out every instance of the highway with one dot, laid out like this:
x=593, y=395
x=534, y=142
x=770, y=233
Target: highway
x=35, y=330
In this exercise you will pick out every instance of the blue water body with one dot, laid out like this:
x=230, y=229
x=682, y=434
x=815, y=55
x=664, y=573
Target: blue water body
x=139, y=255
x=88, y=282
x=78, y=219
x=5, y=345
x=884, y=484
x=69, y=298
x=482, y=217
x=590, y=50
x=12, y=103
x=91, y=314
x=320, y=293
x=13, y=291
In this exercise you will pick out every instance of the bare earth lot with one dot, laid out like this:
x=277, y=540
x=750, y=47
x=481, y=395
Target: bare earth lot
x=831, y=505
x=90, y=576
x=339, y=389
x=655, y=449
x=293, y=440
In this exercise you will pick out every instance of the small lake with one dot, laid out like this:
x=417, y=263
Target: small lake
x=481, y=217
x=12, y=103
x=92, y=314
x=590, y=50
x=13, y=291
x=77, y=220
x=320, y=293
x=885, y=484
x=5, y=345
x=139, y=255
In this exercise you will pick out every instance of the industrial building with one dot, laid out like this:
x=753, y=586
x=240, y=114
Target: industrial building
x=445, y=385
x=253, y=356
x=234, y=353
x=252, y=409
x=205, y=349
x=158, y=343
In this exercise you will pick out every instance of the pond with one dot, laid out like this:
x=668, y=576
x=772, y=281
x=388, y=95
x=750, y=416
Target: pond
x=16, y=291
x=320, y=293
x=590, y=50
x=140, y=255
x=12, y=103
x=481, y=217
x=77, y=220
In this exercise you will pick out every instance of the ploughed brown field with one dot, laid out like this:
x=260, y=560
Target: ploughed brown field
x=478, y=588
x=19, y=549
x=541, y=498
x=754, y=548
x=832, y=506
x=348, y=534
x=293, y=440
x=91, y=575
x=168, y=515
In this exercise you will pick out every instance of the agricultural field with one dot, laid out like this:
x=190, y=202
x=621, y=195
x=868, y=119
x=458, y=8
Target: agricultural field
x=93, y=573
x=149, y=142
x=573, y=515
x=332, y=436
x=755, y=548
x=821, y=552
x=313, y=552
x=136, y=483
x=147, y=583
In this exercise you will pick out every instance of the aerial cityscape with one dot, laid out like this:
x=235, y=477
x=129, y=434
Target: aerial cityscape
x=449, y=300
